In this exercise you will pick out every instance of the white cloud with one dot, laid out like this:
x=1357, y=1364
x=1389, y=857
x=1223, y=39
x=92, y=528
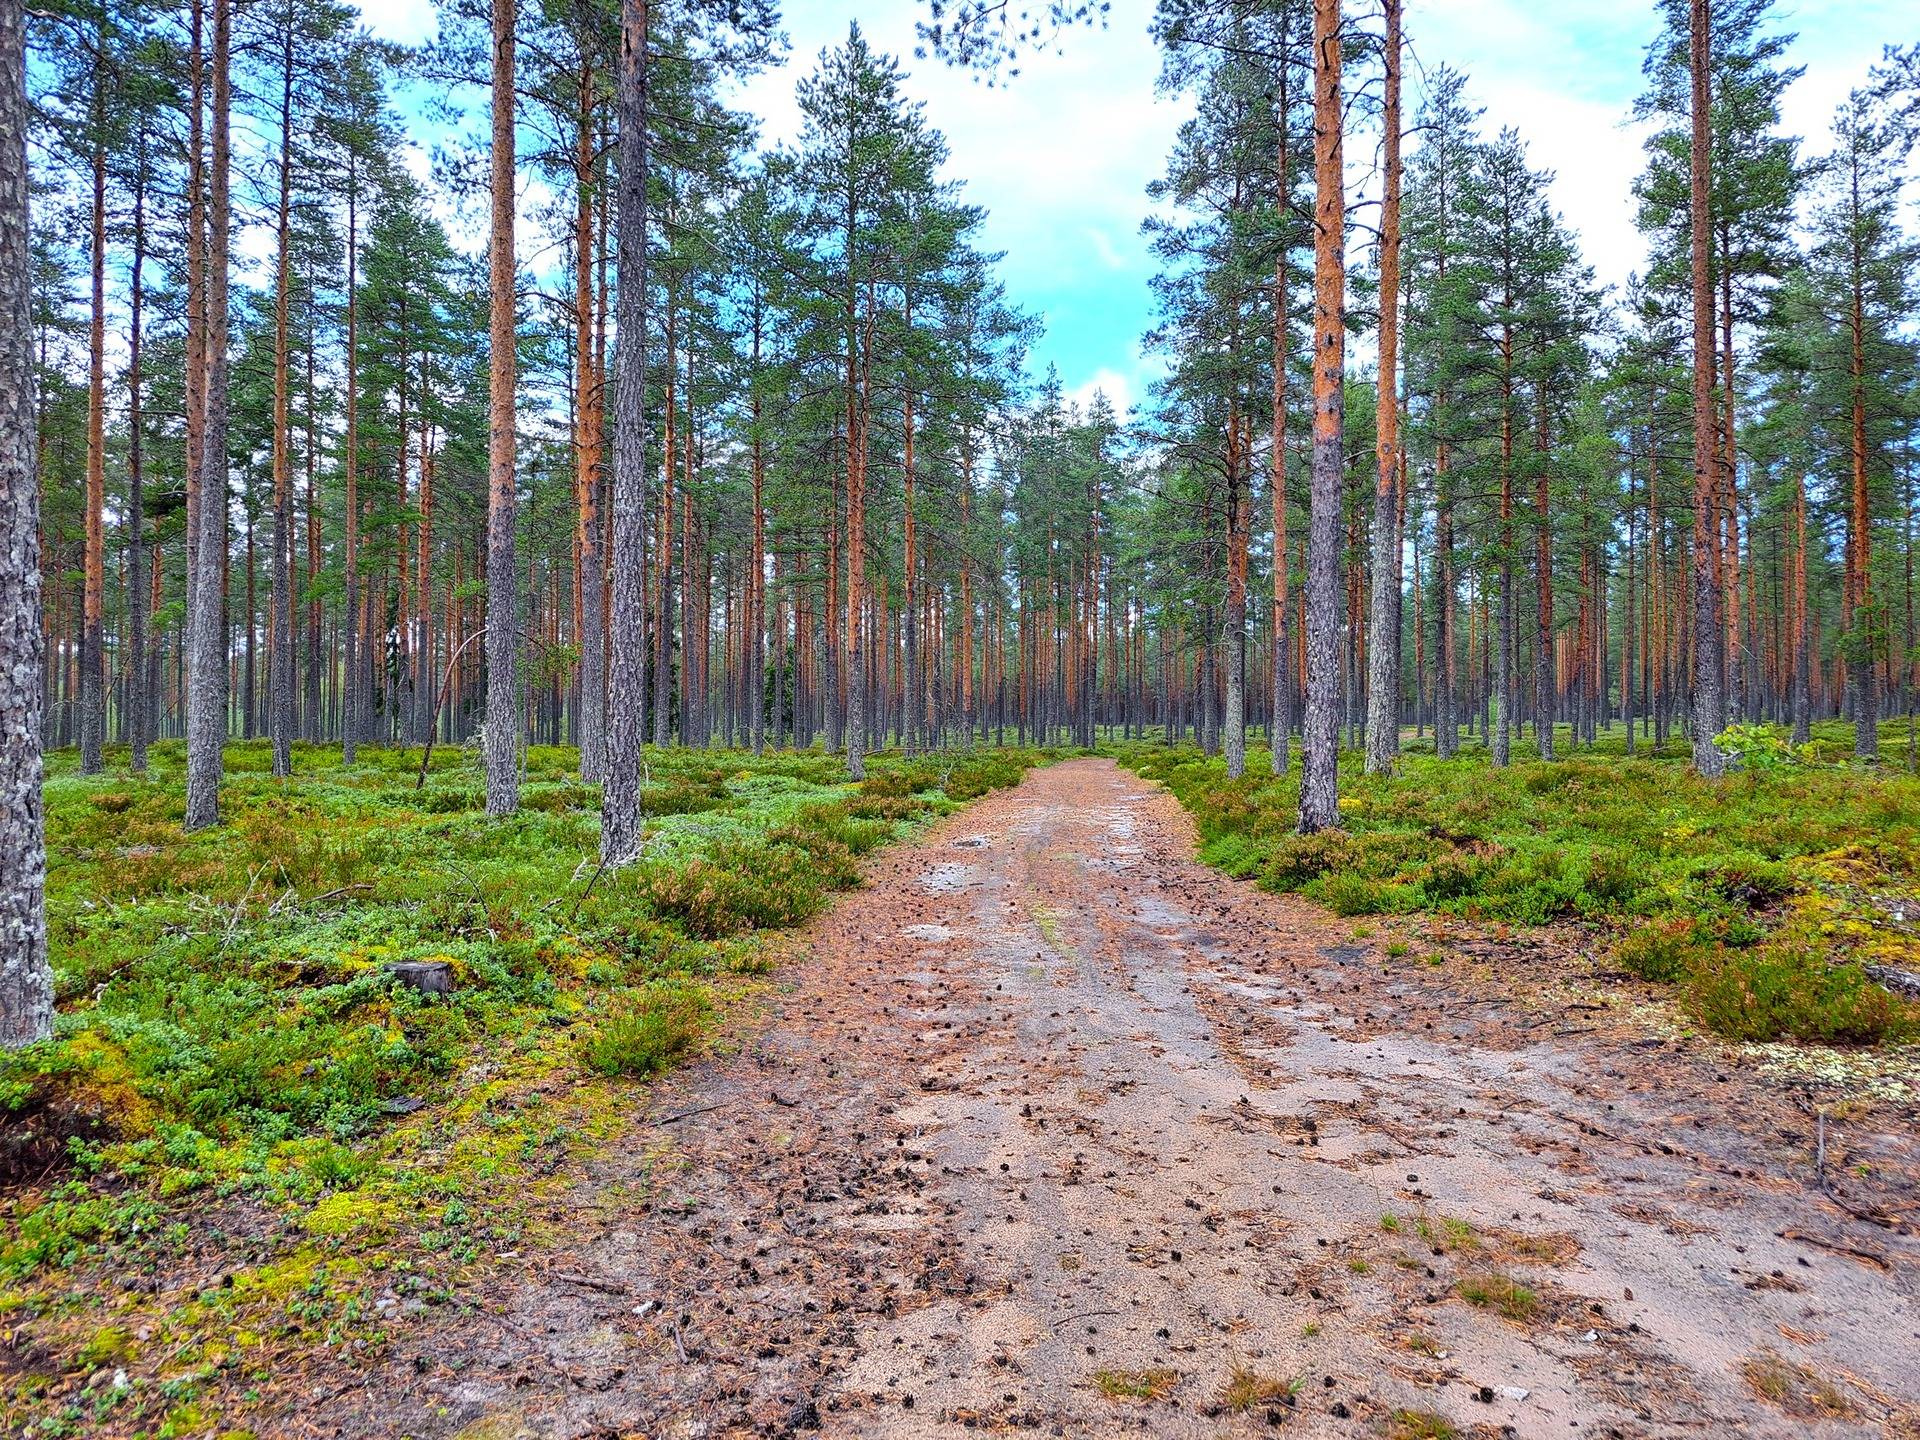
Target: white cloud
x=1061, y=154
x=1566, y=76
x=1104, y=247
x=1118, y=388
x=405, y=22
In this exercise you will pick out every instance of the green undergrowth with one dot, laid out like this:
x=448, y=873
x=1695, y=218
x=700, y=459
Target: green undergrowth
x=231, y=1039
x=1757, y=898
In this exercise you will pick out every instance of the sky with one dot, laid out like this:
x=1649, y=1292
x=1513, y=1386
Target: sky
x=1061, y=154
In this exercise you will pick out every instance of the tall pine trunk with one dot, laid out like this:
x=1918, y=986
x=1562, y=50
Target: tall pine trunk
x=1708, y=716
x=855, y=708
x=627, y=632
x=1320, y=780
x=756, y=689
x=350, y=711
x=93, y=687
x=503, y=639
x=1543, y=697
x=663, y=581
x=1239, y=514
x=592, y=580
x=206, y=611
x=140, y=697
x=1801, y=638
x=423, y=690
x=280, y=631
x=1383, y=640
x=1861, y=645
x=26, y=981
x=1280, y=723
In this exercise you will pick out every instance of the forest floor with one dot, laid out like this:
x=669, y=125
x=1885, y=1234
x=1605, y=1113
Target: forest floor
x=1051, y=1129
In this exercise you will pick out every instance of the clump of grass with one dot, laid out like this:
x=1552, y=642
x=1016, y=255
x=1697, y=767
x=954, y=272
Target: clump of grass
x=1246, y=1388
x=1349, y=894
x=1420, y=1425
x=1793, y=1387
x=1359, y=1266
x=1151, y=1384
x=1662, y=951
x=646, y=1034
x=1785, y=990
x=1296, y=859
x=1446, y=1233
x=1729, y=892
x=1390, y=1224
x=1554, y=1248
x=1502, y=1294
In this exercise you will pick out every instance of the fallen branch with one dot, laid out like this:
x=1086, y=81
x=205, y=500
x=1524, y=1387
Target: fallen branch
x=1086, y=1315
x=689, y=1114
x=440, y=704
x=1872, y=1257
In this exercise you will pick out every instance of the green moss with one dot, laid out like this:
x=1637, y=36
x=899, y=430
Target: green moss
x=1751, y=894
x=229, y=1027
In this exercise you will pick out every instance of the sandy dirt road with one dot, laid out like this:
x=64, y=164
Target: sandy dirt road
x=1057, y=1132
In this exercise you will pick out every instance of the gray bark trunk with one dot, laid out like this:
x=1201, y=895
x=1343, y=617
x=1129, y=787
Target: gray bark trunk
x=1383, y=651
x=1503, y=682
x=503, y=610
x=280, y=659
x=206, y=619
x=350, y=610
x=1707, y=700
x=139, y=693
x=627, y=632
x=26, y=982
x=1235, y=739
x=1383, y=619
x=93, y=689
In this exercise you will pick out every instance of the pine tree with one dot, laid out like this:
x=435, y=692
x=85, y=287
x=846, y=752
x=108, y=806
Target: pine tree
x=1443, y=358
x=208, y=493
x=1319, y=780
x=1383, y=634
x=26, y=981
x=1860, y=279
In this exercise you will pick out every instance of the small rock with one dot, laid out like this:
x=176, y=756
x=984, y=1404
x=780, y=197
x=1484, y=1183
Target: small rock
x=1513, y=1392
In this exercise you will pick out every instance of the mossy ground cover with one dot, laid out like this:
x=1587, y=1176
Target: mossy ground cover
x=1759, y=897
x=246, y=1135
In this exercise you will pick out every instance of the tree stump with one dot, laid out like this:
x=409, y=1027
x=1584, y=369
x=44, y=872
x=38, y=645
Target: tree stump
x=429, y=977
